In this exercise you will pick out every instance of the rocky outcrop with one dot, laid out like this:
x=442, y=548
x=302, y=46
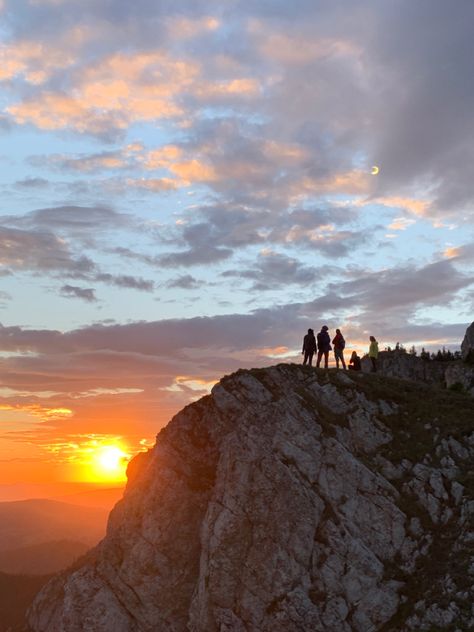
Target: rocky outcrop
x=453, y=374
x=467, y=345
x=459, y=376
x=289, y=500
x=408, y=367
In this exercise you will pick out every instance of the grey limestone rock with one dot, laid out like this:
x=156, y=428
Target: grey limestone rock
x=467, y=345
x=289, y=500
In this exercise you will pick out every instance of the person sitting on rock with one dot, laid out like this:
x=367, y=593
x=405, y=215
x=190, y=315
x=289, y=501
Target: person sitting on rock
x=373, y=353
x=309, y=347
x=324, y=346
x=354, y=362
x=339, y=345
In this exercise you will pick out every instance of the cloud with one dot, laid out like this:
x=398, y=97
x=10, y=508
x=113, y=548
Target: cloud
x=75, y=220
x=401, y=223
x=72, y=291
x=5, y=297
x=34, y=61
x=37, y=250
x=216, y=231
x=40, y=251
x=462, y=254
x=401, y=290
x=424, y=132
x=126, y=281
x=110, y=95
x=275, y=270
x=85, y=163
x=32, y=183
x=185, y=282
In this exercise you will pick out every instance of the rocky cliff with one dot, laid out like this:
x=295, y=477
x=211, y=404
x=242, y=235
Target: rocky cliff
x=290, y=499
x=467, y=345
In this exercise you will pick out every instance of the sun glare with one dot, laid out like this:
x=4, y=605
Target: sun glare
x=109, y=463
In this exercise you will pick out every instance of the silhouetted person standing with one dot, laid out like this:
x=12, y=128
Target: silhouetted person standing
x=309, y=347
x=373, y=353
x=339, y=345
x=324, y=346
x=354, y=362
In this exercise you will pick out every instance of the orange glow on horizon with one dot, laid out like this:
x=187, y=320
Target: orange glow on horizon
x=106, y=463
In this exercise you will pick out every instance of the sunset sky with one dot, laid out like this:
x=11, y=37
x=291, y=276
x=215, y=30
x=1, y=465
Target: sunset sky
x=186, y=187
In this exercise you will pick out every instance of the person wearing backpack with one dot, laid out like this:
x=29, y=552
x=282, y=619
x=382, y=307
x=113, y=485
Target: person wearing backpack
x=309, y=347
x=339, y=345
x=324, y=346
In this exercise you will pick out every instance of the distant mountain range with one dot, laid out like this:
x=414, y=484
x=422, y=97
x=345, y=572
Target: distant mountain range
x=42, y=536
x=55, y=490
x=105, y=498
x=29, y=522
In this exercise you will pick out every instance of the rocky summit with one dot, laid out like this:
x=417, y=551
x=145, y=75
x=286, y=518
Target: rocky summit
x=290, y=499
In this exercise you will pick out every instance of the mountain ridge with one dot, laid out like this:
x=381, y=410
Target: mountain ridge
x=288, y=499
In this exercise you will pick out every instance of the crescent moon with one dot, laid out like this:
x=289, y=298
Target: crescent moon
x=375, y=170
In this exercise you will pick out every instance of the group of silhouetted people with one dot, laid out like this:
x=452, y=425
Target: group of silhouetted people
x=322, y=345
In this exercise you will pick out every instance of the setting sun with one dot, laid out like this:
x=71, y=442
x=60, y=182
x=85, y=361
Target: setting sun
x=109, y=463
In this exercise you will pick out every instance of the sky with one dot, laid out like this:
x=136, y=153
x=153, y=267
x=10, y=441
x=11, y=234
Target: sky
x=188, y=185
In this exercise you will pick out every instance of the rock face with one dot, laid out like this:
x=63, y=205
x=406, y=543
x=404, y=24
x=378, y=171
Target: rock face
x=454, y=374
x=460, y=376
x=408, y=367
x=467, y=345
x=289, y=500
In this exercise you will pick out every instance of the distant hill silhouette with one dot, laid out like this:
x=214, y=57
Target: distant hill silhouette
x=57, y=490
x=29, y=522
x=105, y=498
x=16, y=594
x=43, y=558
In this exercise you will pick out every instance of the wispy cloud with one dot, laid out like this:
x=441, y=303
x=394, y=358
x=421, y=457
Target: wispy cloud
x=86, y=294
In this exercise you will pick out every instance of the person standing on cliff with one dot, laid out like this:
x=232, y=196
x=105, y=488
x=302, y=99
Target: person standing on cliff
x=339, y=345
x=324, y=346
x=309, y=347
x=373, y=353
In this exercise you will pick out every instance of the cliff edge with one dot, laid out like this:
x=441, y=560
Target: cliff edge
x=290, y=499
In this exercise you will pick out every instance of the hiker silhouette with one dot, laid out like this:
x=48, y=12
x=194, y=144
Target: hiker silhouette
x=339, y=345
x=373, y=353
x=309, y=347
x=324, y=346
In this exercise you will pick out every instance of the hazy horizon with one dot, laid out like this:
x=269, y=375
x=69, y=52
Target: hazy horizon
x=19, y=491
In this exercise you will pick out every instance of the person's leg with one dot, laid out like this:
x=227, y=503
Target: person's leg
x=305, y=357
x=343, y=361
x=318, y=361
x=326, y=359
x=310, y=359
x=336, y=357
x=374, y=365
